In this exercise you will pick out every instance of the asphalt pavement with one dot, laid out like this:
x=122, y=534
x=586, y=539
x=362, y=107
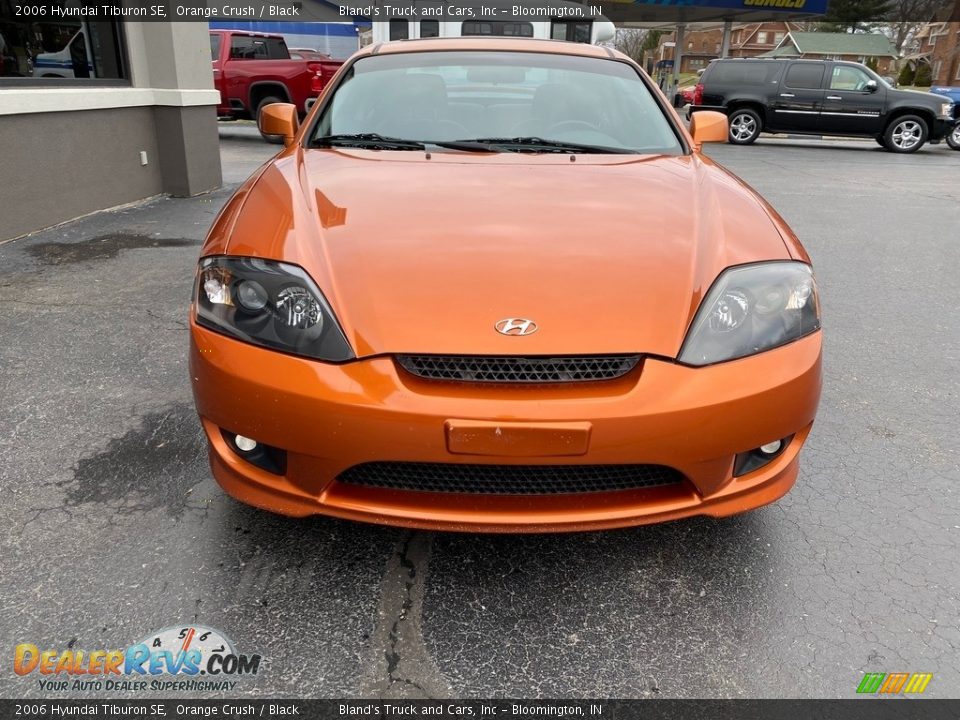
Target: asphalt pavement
x=114, y=528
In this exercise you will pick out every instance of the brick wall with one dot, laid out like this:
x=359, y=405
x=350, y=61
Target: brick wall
x=945, y=54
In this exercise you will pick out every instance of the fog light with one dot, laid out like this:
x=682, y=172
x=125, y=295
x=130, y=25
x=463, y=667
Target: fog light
x=771, y=447
x=747, y=462
x=245, y=443
x=265, y=457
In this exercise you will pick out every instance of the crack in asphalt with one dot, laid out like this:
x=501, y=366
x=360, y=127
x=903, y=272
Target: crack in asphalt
x=402, y=666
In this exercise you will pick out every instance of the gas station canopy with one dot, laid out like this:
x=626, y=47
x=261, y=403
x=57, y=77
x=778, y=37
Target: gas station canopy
x=651, y=13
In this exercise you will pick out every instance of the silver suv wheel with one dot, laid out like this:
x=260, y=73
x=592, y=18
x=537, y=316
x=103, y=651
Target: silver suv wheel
x=907, y=134
x=743, y=127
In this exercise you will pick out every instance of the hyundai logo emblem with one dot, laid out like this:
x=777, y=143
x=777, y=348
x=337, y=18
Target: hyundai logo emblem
x=516, y=326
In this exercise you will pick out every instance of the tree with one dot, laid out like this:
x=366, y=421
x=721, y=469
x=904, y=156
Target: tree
x=924, y=76
x=629, y=41
x=905, y=19
x=854, y=15
x=634, y=42
x=907, y=73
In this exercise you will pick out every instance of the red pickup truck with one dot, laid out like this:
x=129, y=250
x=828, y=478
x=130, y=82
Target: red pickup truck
x=252, y=70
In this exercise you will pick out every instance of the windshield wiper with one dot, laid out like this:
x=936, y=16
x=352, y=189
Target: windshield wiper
x=468, y=145
x=537, y=144
x=371, y=141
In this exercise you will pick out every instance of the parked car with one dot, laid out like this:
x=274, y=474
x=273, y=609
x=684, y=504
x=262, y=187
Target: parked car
x=308, y=54
x=953, y=93
x=253, y=70
x=367, y=344
x=72, y=61
x=816, y=97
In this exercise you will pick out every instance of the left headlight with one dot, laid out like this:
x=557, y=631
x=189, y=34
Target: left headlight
x=268, y=303
x=752, y=308
x=946, y=110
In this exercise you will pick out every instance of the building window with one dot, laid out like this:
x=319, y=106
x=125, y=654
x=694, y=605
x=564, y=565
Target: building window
x=572, y=30
x=61, y=50
x=429, y=28
x=777, y=38
x=399, y=29
x=762, y=37
x=498, y=28
x=957, y=76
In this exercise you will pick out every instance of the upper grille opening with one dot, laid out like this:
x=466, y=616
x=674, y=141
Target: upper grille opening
x=509, y=369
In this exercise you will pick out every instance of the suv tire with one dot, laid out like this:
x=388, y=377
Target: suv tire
x=272, y=139
x=953, y=137
x=906, y=134
x=745, y=126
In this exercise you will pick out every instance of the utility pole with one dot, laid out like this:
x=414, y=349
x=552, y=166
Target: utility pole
x=725, y=43
x=677, y=59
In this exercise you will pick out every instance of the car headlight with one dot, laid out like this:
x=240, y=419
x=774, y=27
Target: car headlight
x=946, y=110
x=268, y=303
x=752, y=308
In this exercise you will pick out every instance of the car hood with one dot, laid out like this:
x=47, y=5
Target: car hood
x=425, y=254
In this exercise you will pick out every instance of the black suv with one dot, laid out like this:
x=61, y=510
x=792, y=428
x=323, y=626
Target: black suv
x=819, y=97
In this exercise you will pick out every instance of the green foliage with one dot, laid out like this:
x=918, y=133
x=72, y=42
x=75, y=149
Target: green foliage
x=853, y=15
x=924, y=76
x=907, y=74
x=873, y=64
x=651, y=40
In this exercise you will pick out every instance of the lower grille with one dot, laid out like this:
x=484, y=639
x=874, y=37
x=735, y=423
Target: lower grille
x=508, y=479
x=508, y=369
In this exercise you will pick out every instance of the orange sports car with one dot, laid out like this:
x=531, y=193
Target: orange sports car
x=492, y=284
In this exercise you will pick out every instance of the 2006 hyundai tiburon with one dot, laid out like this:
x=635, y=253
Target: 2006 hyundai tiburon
x=492, y=284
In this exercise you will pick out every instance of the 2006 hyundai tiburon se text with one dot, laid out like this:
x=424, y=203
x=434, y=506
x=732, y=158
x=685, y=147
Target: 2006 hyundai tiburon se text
x=492, y=285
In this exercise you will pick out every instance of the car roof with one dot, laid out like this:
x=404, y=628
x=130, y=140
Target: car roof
x=781, y=59
x=244, y=33
x=505, y=44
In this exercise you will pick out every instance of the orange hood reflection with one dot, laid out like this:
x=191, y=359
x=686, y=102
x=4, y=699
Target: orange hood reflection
x=607, y=254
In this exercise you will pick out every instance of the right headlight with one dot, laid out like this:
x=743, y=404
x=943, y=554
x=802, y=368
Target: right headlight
x=752, y=308
x=268, y=303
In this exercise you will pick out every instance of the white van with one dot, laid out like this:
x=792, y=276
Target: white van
x=585, y=30
x=65, y=63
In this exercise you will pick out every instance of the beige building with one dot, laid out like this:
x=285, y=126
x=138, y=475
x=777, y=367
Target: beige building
x=98, y=114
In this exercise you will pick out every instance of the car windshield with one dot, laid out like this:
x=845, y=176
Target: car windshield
x=495, y=102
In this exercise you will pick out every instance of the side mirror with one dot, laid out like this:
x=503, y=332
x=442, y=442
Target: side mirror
x=708, y=126
x=871, y=86
x=279, y=119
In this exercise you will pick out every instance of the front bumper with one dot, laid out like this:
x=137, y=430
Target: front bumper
x=329, y=418
x=941, y=128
